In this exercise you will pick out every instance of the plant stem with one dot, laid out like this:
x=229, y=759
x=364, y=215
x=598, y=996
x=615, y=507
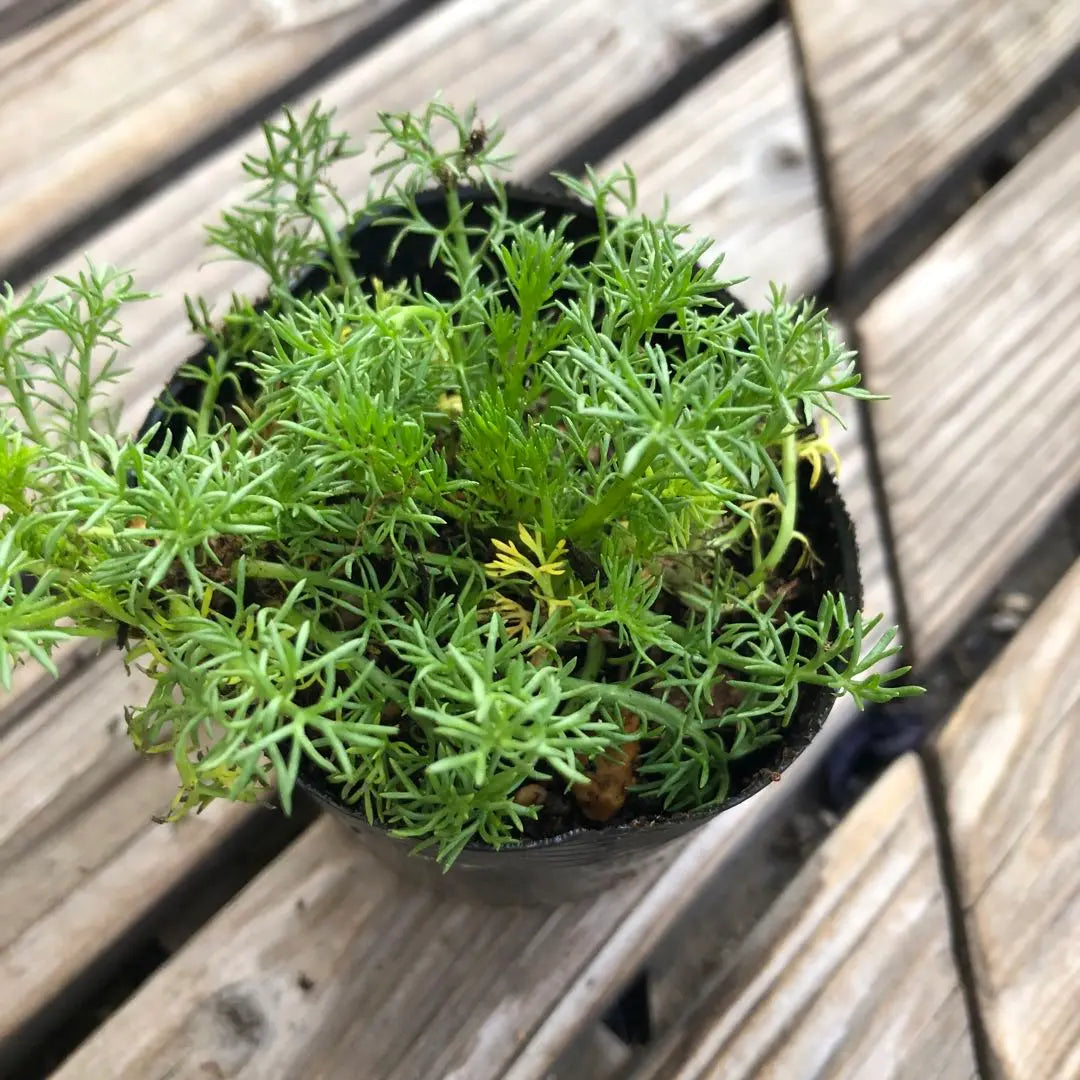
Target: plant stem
x=595, y=655
x=449, y=562
x=789, y=471
x=733, y=535
x=462, y=259
x=271, y=571
x=462, y=255
x=644, y=705
x=385, y=683
x=16, y=383
x=82, y=402
x=593, y=517
x=211, y=391
x=338, y=256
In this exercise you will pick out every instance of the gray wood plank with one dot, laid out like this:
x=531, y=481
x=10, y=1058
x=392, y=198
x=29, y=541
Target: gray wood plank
x=736, y=150
x=850, y=975
x=903, y=90
x=16, y=16
x=326, y=940
x=1009, y=758
x=102, y=92
x=976, y=346
x=80, y=859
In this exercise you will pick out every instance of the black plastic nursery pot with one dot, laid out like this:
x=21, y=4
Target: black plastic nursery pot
x=588, y=859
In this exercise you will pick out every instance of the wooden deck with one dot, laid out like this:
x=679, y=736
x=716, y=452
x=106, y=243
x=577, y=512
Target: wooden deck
x=916, y=161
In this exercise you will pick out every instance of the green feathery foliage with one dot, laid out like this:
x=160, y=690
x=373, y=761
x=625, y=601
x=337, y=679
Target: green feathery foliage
x=436, y=549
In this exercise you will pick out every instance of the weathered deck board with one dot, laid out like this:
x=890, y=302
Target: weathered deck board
x=1009, y=759
x=80, y=859
x=903, y=90
x=736, y=149
x=97, y=96
x=976, y=346
x=323, y=939
x=76, y=733
x=851, y=972
x=18, y=15
x=107, y=90
x=579, y=69
x=708, y=936
x=29, y=683
x=337, y=971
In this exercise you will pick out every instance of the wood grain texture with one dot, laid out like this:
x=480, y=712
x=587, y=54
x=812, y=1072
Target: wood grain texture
x=550, y=74
x=340, y=972
x=850, y=974
x=663, y=917
x=903, y=90
x=30, y=684
x=976, y=346
x=80, y=859
x=1009, y=758
x=103, y=93
x=708, y=935
x=735, y=156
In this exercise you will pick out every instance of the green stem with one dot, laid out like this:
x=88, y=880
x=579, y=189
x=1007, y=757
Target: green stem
x=517, y=369
x=16, y=383
x=595, y=655
x=633, y=701
x=449, y=562
x=330, y=640
x=733, y=535
x=47, y=618
x=593, y=517
x=211, y=392
x=82, y=402
x=271, y=571
x=547, y=513
x=463, y=263
x=338, y=255
x=462, y=255
x=789, y=472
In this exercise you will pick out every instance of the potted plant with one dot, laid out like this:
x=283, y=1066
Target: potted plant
x=496, y=524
